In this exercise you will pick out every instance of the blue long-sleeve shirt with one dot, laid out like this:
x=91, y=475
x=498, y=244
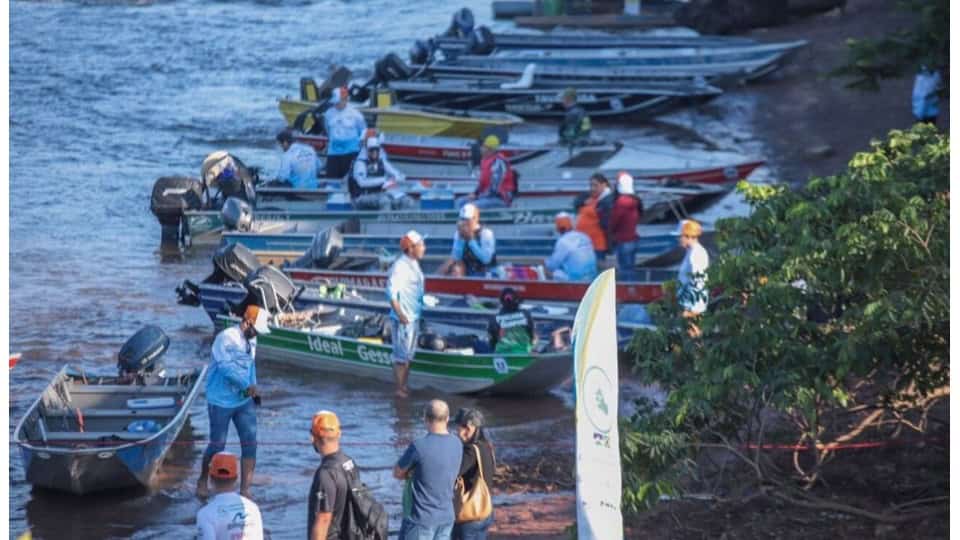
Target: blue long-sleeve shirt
x=232, y=369
x=345, y=129
x=483, y=245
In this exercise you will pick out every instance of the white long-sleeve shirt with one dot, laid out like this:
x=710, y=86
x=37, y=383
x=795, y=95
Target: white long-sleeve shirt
x=229, y=516
x=298, y=165
x=692, y=293
x=367, y=182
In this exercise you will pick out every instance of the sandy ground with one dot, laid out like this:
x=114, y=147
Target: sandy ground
x=812, y=126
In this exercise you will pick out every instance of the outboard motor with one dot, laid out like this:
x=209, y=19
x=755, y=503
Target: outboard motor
x=480, y=42
x=236, y=214
x=271, y=289
x=420, y=53
x=171, y=197
x=391, y=68
x=140, y=354
x=326, y=246
x=463, y=21
x=233, y=262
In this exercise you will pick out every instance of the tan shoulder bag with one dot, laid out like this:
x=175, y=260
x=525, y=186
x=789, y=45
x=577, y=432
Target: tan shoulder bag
x=476, y=504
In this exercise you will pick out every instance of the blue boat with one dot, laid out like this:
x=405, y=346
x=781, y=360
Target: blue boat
x=89, y=432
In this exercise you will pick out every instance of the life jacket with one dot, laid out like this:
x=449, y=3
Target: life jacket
x=513, y=333
x=374, y=169
x=508, y=185
x=472, y=262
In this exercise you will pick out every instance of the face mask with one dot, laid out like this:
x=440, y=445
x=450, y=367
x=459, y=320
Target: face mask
x=249, y=333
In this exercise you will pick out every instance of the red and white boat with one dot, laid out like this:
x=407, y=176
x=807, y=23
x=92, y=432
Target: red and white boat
x=451, y=157
x=642, y=292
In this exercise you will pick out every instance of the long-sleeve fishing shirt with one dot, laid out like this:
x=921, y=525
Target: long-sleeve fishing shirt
x=232, y=369
x=344, y=128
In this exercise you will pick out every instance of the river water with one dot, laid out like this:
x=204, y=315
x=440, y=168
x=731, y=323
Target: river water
x=107, y=96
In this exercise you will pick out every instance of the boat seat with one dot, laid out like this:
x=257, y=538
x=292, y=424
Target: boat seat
x=110, y=413
x=97, y=435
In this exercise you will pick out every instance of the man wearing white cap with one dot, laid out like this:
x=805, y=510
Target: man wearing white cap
x=345, y=127
x=624, y=218
x=405, y=289
x=232, y=394
x=371, y=178
x=474, y=250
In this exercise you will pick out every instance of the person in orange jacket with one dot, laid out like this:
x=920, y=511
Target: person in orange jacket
x=593, y=214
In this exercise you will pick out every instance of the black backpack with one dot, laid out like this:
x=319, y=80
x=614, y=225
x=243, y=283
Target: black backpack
x=363, y=517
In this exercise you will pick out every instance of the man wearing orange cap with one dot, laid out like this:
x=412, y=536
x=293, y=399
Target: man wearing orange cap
x=692, y=294
x=232, y=393
x=573, y=257
x=228, y=515
x=345, y=127
x=405, y=289
x=328, y=493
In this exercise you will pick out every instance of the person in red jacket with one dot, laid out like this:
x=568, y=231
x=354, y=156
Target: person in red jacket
x=498, y=182
x=624, y=218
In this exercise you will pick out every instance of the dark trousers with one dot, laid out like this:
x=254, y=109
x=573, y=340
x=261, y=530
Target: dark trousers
x=339, y=166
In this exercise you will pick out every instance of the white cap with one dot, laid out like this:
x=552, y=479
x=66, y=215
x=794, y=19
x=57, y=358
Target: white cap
x=373, y=142
x=262, y=319
x=625, y=183
x=469, y=211
x=414, y=237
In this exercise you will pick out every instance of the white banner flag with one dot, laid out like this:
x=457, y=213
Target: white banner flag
x=596, y=384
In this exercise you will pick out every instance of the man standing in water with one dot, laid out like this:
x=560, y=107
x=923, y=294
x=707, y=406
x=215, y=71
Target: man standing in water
x=434, y=462
x=692, y=278
x=405, y=291
x=228, y=515
x=232, y=393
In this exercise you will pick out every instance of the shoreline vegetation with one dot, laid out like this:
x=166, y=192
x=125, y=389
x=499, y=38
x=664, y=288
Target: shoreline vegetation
x=884, y=476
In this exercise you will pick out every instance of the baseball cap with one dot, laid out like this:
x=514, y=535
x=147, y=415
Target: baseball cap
x=691, y=228
x=258, y=317
x=469, y=211
x=563, y=220
x=223, y=465
x=410, y=239
x=492, y=142
x=324, y=423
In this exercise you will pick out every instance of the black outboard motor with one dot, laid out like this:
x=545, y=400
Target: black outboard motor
x=271, y=289
x=171, y=197
x=392, y=68
x=326, y=246
x=237, y=215
x=462, y=23
x=420, y=53
x=230, y=263
x=140, y=354
x=480, y=42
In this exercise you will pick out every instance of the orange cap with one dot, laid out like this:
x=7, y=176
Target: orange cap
x=324, y=423
x=691, y=228
x=223, y=465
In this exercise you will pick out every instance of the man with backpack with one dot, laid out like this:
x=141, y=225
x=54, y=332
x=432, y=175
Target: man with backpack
x=339, y=506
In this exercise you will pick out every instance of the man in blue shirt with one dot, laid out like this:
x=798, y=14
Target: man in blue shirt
x=231, y=393
x=405, y=288
x=298, y=164
x=573, y=258
x=474, y=250
x=433, y=461
x=345, y=127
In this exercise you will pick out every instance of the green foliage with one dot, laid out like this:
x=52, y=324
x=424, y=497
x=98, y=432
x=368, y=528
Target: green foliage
x=819, y=294
x=902, y=53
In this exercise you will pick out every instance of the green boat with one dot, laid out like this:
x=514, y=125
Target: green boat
x=310, y=340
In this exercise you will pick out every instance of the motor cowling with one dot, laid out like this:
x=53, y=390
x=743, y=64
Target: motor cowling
x=480, y=42
x=420, y=52
x=326, y=246
x=392, y=68
x=235, y=262
x=226, y=176
x=270, y=288
x=236, y=214
x=173, y=195
x=141, y=352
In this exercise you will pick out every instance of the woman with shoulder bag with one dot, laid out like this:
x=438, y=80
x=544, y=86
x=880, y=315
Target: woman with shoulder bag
x=473, y=497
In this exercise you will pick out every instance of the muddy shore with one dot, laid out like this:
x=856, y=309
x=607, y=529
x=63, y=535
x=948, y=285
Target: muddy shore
x=812, y=126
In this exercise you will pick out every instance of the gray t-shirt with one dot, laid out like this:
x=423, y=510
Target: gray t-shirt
x=435, y=460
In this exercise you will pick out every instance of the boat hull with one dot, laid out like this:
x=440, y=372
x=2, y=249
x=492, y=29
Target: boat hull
x=454, y=373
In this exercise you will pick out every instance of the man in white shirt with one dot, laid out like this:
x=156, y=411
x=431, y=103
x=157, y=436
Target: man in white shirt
x=228, y=515
x=298, y=164
x=405, y=289
x=345, y=127
x=374, y=178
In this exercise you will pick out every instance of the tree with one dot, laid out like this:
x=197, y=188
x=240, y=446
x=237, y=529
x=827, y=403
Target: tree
x=829, y=323
x=927, y=43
